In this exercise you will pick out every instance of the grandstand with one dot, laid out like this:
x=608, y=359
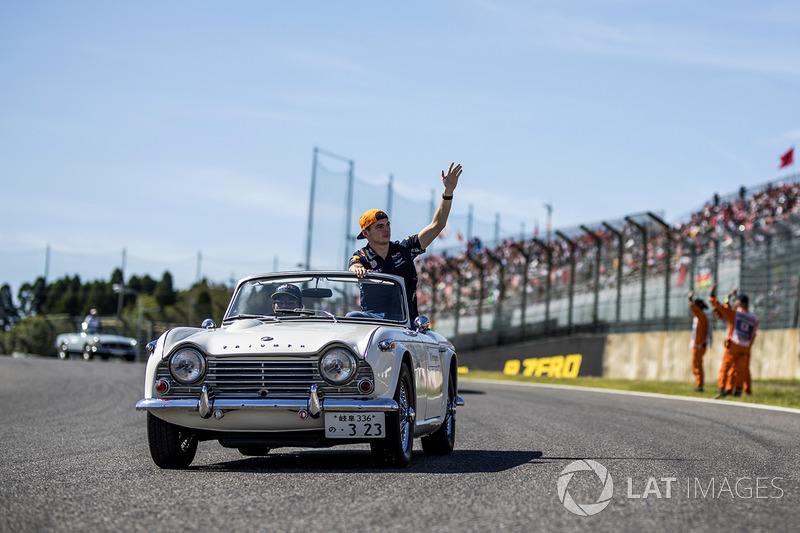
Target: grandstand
x=620, y=276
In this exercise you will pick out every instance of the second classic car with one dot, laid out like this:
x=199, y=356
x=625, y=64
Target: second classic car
x=310, y=359
x=104, y=342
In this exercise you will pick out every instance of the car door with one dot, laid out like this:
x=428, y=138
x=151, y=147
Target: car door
x=435, y=376
x=419, y=356
x=429, y=381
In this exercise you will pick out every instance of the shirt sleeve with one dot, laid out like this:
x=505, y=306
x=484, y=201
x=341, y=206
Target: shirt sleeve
x=722, y=311
x=358, y=257
x=412, y=244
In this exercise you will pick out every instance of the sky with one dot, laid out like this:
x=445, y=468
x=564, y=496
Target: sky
x=179, y=135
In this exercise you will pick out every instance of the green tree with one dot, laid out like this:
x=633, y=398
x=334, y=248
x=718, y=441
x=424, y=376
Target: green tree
x=117, y=277
x=98, y=295
x=32, y=298
x=164, y=293
x=148, y=285
x=32, y=335
x=63, y=296
x=9, y=316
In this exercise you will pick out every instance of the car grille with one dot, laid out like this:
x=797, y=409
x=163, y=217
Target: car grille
x=249, y=378
x=117, y=346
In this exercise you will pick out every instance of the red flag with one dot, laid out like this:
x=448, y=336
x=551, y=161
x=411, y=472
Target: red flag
x=787, y=158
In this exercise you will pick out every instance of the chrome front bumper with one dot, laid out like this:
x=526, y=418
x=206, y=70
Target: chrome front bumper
x=206, y=405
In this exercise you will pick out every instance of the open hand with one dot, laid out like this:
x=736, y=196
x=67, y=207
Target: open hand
x=451, y=179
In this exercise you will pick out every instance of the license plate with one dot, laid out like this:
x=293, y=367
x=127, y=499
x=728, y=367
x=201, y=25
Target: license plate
x=355, y=425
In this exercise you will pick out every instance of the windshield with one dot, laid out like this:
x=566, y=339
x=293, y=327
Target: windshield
x=337, y=296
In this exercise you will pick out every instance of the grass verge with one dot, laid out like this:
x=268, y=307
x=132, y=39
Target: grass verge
x=778, y=392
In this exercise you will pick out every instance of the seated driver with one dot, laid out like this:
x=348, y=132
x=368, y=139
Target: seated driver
x=287, y=297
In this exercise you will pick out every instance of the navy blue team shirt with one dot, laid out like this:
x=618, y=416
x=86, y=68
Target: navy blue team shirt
x=400, y=262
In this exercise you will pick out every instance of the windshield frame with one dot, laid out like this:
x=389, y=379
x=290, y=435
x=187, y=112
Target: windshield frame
x=345, y=296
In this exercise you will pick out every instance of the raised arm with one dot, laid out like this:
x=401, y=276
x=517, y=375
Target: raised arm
x=432, y=230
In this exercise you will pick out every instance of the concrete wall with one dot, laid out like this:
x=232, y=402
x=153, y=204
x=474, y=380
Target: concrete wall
x=667, y=356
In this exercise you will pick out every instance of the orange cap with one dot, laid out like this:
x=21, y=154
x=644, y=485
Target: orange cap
x=369, y=218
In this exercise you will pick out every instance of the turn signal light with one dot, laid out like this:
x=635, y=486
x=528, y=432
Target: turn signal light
x=365, y=386
x=162, y=386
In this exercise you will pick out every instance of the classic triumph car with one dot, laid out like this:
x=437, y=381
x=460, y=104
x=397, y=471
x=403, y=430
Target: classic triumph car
x=304, y=359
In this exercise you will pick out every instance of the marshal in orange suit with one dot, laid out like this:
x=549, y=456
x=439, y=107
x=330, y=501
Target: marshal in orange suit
x=742, y=326
x=701, y=339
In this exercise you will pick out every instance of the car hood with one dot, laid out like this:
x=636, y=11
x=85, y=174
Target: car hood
x=106, y=338
x=249, y=337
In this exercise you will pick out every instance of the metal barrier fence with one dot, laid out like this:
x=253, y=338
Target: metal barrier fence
x=616, y=277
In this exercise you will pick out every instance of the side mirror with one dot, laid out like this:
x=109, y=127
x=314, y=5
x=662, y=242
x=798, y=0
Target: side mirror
x=208, y=324
x=422, y=324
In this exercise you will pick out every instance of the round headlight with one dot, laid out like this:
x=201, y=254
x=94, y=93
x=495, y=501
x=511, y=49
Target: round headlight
x=337, y=366
x=187, y=365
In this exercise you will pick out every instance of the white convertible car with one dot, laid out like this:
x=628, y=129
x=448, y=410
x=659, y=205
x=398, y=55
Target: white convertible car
x=304, y=359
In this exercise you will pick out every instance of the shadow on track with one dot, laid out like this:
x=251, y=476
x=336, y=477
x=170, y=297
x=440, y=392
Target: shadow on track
x=354, y=461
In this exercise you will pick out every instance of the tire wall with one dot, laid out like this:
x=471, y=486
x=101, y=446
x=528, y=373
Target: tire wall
x=659, y=355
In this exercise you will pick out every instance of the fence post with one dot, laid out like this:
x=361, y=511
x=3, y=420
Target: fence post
x=457, y=270
x=481, y=276
x=524, y=307
x=597, y=254
x=668, y=265
x=432, y=274
x=499, y=325
x=715, y=277
x=643, y=231
x=741, y=260
x=620, y=257
x=571, y=278
x=549, y=251
x=692, y=262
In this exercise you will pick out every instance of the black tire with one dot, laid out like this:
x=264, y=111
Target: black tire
x=442, y=441
x=171, y=446
x=254, y=451
x=63, y=352
x=87, y=353
x=395, y=450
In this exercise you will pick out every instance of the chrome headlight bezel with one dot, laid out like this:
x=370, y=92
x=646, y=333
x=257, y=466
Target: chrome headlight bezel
x=338, y=366
x=187, y=365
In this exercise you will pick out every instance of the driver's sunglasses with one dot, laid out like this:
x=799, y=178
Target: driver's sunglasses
x=284, y=300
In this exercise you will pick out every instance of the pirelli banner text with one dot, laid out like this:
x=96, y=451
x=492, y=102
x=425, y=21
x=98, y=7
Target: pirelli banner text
x=554, y=358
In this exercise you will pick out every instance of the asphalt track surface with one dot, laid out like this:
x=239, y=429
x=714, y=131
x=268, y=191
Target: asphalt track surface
x=75, y=458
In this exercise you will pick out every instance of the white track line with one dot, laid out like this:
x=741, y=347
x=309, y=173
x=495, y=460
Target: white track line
x=634, y=393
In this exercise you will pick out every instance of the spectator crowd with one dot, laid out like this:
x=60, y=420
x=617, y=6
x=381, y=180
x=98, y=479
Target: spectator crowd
x=488, y=275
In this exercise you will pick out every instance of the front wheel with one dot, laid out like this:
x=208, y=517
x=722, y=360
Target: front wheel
x=395, y=450
x=171, y=446
x=63, y=352
x=87, y=353
x=442, y=441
